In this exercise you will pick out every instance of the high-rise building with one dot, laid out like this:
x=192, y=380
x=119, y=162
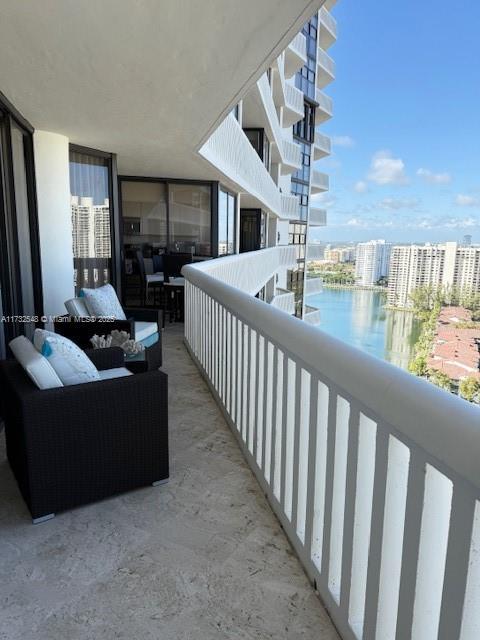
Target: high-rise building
x=372, y=260
x=438, y=265
x=339, y=254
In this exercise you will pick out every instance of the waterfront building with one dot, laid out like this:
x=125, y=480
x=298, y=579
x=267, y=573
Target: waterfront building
x=181, y=113
x=339, y=255
x=371, y=261
x=437, y=265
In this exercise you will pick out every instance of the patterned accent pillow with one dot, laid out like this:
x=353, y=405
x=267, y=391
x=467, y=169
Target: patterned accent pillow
x=71, y=364
x=103, y=302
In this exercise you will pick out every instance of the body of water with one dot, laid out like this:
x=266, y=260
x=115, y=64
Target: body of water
x=359, y=318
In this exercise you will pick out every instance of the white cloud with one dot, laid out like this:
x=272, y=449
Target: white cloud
x=434, y=178
x=343, y=141
x=325, y=200
x=394, y=204
x=361, y=186
x=466, y=201
x=386, y=169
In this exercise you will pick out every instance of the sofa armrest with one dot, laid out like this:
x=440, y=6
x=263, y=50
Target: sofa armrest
x=146, y=315
x=109, y=358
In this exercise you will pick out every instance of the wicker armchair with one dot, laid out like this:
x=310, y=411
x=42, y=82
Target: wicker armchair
x=72, y=445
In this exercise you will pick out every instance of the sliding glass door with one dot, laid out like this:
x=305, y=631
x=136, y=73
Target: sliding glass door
x=20, y=276
x=91, y=183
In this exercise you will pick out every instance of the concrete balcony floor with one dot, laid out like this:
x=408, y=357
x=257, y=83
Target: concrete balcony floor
x=202, y=557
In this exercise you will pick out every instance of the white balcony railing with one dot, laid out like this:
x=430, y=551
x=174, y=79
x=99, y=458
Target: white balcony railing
x=319, y=182
x=250, y=271
x=322, y=146
x=294, y=108
x=325, y=68
x=312, y=315
x=327, y=28
x=291, y=156
x=325, y=107
x=295, y=55
x=230, y=151
x=373, y=473
x=290, y=207
x=313, y=285
x=315, y=252
x=317, y=217
x=284, y=300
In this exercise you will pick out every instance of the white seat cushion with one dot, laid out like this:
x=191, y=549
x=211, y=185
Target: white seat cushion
x=118, y=372
x=144, y=330
x=37, y=367
x=77, y=308
x=70, y=363
x=103, y=302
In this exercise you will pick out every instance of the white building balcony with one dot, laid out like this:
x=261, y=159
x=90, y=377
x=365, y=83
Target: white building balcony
x=284, y=300
x=295, y=55
x=325, y=68
x=314, y=252
x=291, y=156
x=325, y=107
x=290, y=207
x=294, y=108
x=312, y=315
x=230, y=151
x=327, y=29
x=317, y=217
x=322, y=146
x=313, y=285
x=372, y=472
x=319, y=182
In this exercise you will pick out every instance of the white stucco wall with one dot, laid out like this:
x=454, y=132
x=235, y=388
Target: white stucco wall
x=54, y=219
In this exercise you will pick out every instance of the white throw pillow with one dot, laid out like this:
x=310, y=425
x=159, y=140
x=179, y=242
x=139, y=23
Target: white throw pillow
x=103, y=302
x=77, y=308
x=37, y=367
x=70, y=363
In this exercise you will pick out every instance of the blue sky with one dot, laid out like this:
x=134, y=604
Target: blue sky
x=406, y=126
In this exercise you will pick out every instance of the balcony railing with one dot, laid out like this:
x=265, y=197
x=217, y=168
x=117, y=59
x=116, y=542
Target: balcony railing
x=293, y=110
x=230, y=151
x=322, y=146
x=325, y=68
x=295, y=55
x=327, y=28
x=284, y=300
x=292, y=156
x=313, y=285
x=319, y=182
x=325, y=107
x=317, y=217
x=312, y=315
x=373, y=473
x=315, y=252
x=290, y=207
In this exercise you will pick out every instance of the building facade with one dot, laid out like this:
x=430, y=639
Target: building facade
x=437, y=265
x=372, y=261
x=339, y=255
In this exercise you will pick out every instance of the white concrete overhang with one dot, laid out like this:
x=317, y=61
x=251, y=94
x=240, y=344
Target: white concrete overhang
x=147, y=80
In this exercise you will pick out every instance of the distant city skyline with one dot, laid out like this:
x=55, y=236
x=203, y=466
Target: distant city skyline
x=405, y=165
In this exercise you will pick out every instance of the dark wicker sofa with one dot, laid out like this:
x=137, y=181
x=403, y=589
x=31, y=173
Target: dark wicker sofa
x=73, y=445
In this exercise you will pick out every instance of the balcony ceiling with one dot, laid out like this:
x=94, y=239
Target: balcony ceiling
x=145, y=79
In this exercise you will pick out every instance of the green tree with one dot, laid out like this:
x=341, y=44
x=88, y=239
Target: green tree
x=469, y=389
x=440, y=379
x=418, y=366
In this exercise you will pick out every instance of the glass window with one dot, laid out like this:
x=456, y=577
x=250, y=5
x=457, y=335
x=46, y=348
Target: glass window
x=260, y=142
x=226, y=223
x=190, y=218
x=90, y=209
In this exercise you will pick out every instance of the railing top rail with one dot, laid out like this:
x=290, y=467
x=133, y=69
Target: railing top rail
x=445, y=427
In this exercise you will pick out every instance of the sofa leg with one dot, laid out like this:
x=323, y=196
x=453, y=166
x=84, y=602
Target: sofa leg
x=43, y=518
x=158, y=482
